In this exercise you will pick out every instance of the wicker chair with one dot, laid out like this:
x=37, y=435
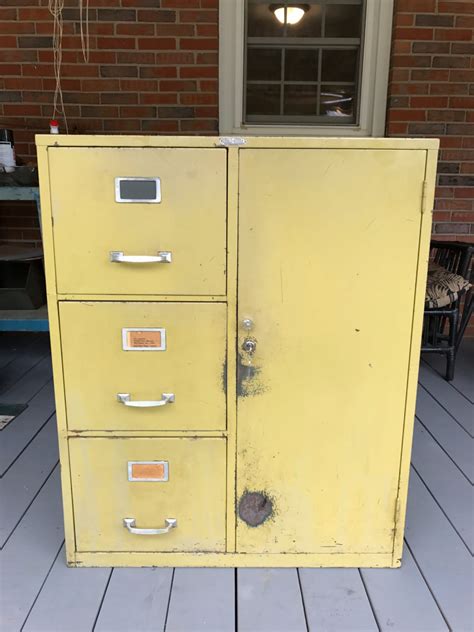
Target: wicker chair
x=443, y=327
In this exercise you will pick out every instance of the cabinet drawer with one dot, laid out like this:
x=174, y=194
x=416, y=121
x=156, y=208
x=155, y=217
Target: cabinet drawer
x=193, y=494
x=95, y=195
x=148, y=352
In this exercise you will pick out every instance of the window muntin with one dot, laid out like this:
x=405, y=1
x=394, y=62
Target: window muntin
x=307, y=72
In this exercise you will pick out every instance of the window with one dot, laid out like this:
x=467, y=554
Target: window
x=319, y=67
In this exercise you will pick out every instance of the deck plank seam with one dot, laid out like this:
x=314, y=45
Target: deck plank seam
x=236, y=602
x=442, y=510
x=42, y=585
x=29, y=505
x=446, y=410
x=444, y=450
x=420, y=570
x=369, y=599
x=96, y=618
x=169, y=601
x=302, y=600
x=26, y=446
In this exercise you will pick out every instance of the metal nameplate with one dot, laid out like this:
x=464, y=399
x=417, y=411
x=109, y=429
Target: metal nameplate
x=148, y=471
x=144, y=339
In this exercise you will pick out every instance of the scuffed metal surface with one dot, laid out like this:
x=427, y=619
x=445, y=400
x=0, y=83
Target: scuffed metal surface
x=255, y=508
x=249, y=377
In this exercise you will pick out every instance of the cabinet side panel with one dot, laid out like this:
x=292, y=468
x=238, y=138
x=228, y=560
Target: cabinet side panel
x=418, y=311
x=56, y=355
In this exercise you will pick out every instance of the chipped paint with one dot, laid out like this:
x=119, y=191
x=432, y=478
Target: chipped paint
x=255, y=508
x=249, y=377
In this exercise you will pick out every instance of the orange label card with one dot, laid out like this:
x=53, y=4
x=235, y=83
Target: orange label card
x=148, y=471
x=143, y=339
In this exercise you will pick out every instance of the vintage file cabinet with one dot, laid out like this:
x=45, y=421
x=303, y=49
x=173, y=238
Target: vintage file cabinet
x=235, y=326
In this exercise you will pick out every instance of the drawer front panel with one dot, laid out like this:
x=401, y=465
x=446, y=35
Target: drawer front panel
x=176, y=351
x=189, y=488
x=95, y=195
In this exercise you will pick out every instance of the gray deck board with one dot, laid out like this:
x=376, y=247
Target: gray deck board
x=463, y=375
x=335, y=600
x=31, y=383
x=29, y=554
x=25, y=360
x=12, y=344
x=19, y=432
x=453, y=492
x=68, y=600
x=23, y=480
x=441, y=555
x=269, y=600
x=401, y=599
x=430, y=593
x=454, y=439
x=445, y=394
x=136, y=599
x=202, y=599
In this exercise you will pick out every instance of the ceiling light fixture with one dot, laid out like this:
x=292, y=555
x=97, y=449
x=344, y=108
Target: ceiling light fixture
x=290, y=14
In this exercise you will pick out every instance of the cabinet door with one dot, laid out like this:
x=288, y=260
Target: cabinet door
x=144, y=366
x=139, y=202
x=327, y=270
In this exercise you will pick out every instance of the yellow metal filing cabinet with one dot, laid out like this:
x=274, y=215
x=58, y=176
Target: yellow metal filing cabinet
x=235, y=326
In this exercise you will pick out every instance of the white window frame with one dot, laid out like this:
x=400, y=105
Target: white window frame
x=373, y=87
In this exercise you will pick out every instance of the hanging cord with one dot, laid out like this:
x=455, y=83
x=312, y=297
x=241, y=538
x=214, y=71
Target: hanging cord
x=55, y=8
x=84, y=23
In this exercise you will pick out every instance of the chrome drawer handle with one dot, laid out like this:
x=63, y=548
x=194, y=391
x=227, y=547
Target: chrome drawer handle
x=126, y=400
x=117, y=256
x=129, y=523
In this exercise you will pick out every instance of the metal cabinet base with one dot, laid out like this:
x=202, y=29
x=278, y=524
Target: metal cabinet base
x=235, y=330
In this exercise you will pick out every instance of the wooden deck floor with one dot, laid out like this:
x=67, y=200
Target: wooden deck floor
x=431, y=592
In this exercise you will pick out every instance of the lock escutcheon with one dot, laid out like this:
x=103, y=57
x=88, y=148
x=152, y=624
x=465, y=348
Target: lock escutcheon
x=249, y=345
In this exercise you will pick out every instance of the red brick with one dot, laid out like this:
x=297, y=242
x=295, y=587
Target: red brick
x=464, y=192
x=34, y=15
x=10, y=69
x=198, y=99
x=159, y=98
x=416, y=6
x=413, y=33
x=455, y=7
x=116, y=43
x=449, y=88
x=401, y=47
x=406, y=115
x=429, y=102
x=199, y=44
x=156, y=15
x=403, y=19
x=453, y=34
x=465, y=21
x=207, y=58
x=187, y=72
x=198, y=16
x=158, y=72
x=17, y=27
x=180, y=4
x=207, y=30
x=8, y=14
x=169, y=127
x=176, y=30
x=459, y=216
x=139, y=85
x=430, y=74
x=411, y=61
x=100, y=85
x=135, y=29
x=150, y=43
x=462, y=102
x=138, y=111
x=178, y=86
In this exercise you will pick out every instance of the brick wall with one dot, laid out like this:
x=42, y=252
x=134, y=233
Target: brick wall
x=431, y=93
x=153, y=68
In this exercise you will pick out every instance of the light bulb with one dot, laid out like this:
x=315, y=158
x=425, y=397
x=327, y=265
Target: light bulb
x=293, y=14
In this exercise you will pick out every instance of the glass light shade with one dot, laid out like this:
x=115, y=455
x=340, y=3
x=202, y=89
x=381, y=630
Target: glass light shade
x=293, y=14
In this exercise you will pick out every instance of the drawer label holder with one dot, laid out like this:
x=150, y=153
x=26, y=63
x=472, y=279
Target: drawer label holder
x=143, y=339
x=148, y=471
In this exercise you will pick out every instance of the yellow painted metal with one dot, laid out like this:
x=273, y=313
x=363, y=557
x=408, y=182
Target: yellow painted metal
x=89, y=223
x=97, y=369
x=327, y=241
x=104, y=496
x=327, y=272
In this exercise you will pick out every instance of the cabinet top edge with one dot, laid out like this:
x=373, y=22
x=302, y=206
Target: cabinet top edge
x=248, y=142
